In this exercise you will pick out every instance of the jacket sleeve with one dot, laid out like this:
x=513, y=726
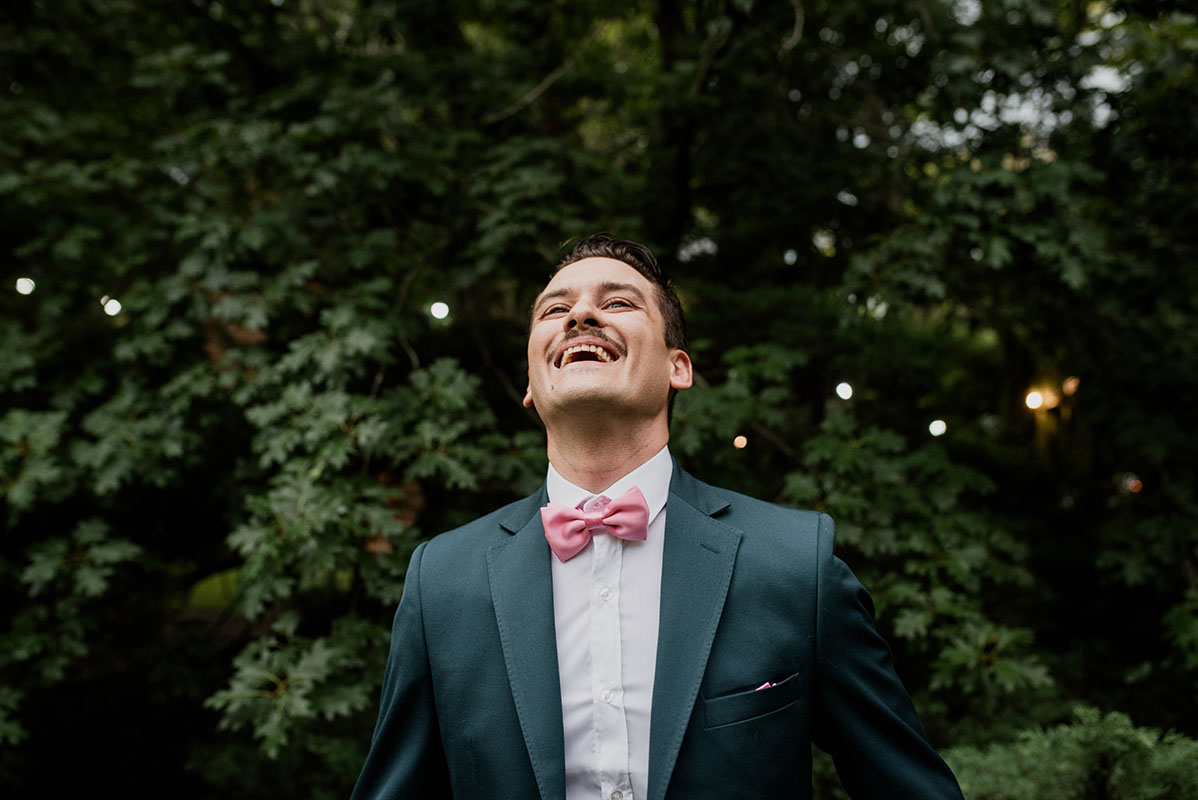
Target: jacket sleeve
x=406, y=759
x=863, y=715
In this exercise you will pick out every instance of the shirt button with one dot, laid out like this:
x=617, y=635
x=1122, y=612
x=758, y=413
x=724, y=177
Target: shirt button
x=605, y=695
x=605, y=593
x=617, y=795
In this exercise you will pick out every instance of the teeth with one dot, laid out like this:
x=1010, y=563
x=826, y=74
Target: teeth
x=603, y=355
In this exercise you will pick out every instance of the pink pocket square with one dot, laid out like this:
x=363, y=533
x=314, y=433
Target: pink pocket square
x=766, y=685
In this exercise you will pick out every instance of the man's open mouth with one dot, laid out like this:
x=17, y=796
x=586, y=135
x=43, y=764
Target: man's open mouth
x=585, y=352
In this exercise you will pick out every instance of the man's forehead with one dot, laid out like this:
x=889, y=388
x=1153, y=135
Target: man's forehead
x=589, y=273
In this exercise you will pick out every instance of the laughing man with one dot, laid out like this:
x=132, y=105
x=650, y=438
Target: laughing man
x=628, y=631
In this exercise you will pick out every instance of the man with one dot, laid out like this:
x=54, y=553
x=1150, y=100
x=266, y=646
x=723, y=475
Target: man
x=629, y=632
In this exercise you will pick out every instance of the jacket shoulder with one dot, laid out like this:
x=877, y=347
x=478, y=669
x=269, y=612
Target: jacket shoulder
x=479, y=534
x=759, y=520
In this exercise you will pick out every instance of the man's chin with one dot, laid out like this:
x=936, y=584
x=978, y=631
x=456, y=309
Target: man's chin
x=581, y=397
x=586, y=394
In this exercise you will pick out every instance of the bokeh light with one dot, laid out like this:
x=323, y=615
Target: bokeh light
x=844, y=391
x=439, y=310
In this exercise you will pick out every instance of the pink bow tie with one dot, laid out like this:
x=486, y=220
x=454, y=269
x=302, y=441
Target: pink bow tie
x=569, y=530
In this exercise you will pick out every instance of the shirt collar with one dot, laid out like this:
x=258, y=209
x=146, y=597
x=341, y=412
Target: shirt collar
x=652, y=478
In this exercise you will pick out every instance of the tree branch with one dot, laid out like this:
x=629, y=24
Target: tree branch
x=797, y=33
x=529, y=97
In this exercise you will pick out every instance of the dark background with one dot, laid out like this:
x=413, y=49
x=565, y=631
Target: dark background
x=209, y=492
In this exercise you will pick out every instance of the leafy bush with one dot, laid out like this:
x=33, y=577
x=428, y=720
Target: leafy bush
x=1095, y=756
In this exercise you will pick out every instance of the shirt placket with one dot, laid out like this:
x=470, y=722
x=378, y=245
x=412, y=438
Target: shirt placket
x=607, y=689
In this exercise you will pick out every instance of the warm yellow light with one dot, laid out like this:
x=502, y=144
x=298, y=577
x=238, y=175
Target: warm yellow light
x=1132, y=483
x=1034, y=400
x=740, y=442
x=1070, y=384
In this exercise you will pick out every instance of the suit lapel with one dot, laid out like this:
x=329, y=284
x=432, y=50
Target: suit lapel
x=696, y=570
x=522, y=593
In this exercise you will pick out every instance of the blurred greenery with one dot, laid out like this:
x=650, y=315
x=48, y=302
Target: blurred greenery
x=208, y=498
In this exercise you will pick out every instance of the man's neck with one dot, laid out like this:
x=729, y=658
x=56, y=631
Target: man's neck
x=595, y=459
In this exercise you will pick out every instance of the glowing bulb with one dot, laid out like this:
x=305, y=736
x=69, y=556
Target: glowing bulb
x=112, y=306
x=844, y=391
x=937, y=427
x=1034, y=400
x=740, y=442
x=1070, y=384
x=26, y=285
x=439, y=310
x=1132, y=483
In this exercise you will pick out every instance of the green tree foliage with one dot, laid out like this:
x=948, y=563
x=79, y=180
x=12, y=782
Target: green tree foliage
x=227, y=416
x=1094, y=755
x=1098, y=755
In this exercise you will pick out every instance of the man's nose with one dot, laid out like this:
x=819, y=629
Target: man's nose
x=582, y=314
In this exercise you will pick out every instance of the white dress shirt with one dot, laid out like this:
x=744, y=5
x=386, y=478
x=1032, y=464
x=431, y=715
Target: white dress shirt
x=606, y=602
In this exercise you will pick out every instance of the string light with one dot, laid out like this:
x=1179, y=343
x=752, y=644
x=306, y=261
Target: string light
x=26, y=285
x=937, y=427
x=111, y=305
x=844, y=391
x=439, y=310
x=740, y=442
x=1034, y=400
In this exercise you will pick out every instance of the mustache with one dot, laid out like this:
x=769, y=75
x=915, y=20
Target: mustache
x=593, y=333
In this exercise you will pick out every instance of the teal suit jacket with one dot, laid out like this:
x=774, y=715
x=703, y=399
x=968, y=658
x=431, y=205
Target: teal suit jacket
x=750, y=592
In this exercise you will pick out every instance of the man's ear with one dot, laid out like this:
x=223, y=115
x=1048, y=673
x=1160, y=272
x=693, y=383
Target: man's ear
x=681, y=371
x=527, y=402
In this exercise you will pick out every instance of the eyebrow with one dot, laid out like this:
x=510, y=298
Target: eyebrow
x=607, y=287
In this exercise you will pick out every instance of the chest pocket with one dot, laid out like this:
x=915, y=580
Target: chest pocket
x=730, y=709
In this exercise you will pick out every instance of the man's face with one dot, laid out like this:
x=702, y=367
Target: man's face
x=597, y=344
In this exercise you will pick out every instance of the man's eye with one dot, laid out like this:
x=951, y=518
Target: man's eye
x=557, y=308
x=618, y=304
